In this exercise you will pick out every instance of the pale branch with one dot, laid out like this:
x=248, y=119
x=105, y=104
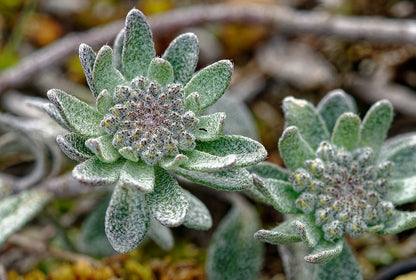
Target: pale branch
x=282, y=18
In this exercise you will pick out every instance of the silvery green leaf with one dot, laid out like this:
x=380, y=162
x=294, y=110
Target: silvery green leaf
x=105, y=75
x=54, y=113
x=325, y=251
x=104, y=102
x=247, y=151
x=138, y=175
x=193, y=102
x=170, y=162
x=294, y=149
x=305, y=117
x=138, y=49
x=92, y=239
x=269, y=170
x=392, y=143
x=161, y=235
x=103, y=148
x=403, y=154
x=333, y=105
x=167, y=203
x=198, y=216
x=398, y=222
x=402, y=191
x=284, y=233
x=161, y=71
x=73, y=145
x=239, y=121
x=201, y=161
x=278, y=193
x=87, y=57
x=233, y=252
x=128, y=153
x=127, y=219
x=307, y=230
x=209, y=127
x=210, y=82
x=344, y=267
x=375, y=125
x=254, y=193
x=93, y=171
x=118, y=51
x=182, y=53
x=347, y=131
x=19, y=209
x=80, y=117
x=234, y=179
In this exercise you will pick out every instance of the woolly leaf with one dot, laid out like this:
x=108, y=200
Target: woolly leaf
x=138, y=175
x=167, y=203
x=54, y=113
x=344, y=267
x=118, y=51
x=279, y=193
x=307, y=230
x=198, y=216
x=80, y=117
x=92, y=239
x=269, y=170
x=391, y=144
x=233, y=253
x=403, y=156
x=193, y=102
x=209, y=127
x=347, y=131
x=201, y=161
x=305, y=117
x=402, y=191
x=87, y=57
x=103, y=148
x=105, y=75
x=375, y=125
x=398, y=222
x=230, y=179
x=127, y=219
x=211, y=82
x=333, y=105
x=325, y=251
x=93, y=171
x=128, y=153
x=161, y=71
x=182, y=53
x=138, y=48
x=247, y=151
x=293, y=148
x=104, y=102
x=169, y=162
x=284, y=233
x=17, y=210
x=73, y=145
x=161, y=235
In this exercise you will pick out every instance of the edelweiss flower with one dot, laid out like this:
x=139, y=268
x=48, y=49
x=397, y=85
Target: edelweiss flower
x=342, y=179
x=147, y=122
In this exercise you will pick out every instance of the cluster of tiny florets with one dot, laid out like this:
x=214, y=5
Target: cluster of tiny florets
x=149, y=120
x=343, y=190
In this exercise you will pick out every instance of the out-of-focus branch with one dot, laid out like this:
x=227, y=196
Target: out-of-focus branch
x=282, y=18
